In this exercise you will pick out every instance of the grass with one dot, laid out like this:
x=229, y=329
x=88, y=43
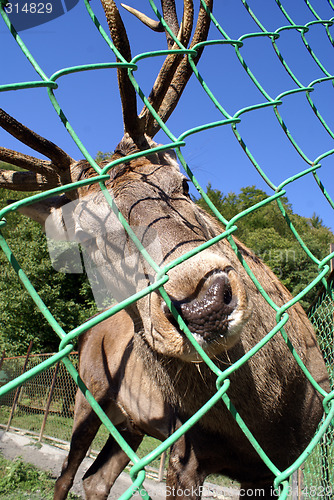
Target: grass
x=315, y=471
x=56, y=425
x=21, y=480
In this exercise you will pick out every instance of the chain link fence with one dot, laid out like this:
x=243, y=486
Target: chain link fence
x=44, y=405
x=35, y=392
x=319, y=468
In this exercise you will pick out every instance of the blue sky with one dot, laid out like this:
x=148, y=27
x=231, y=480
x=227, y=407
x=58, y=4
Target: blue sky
x=91, y=103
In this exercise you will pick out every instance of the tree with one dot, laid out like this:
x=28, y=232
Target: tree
x=101, y=156
x=68, y=295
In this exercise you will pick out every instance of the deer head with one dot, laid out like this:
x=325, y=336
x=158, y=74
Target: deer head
x=210, y=289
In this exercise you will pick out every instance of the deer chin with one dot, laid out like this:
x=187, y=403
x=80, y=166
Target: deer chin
x=214, y=312
x=175, y=343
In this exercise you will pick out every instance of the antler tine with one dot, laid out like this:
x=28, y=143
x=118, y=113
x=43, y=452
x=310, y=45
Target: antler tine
x=127, y=92
x=176, y=69
x=172, y=61
x=150, y=23
x=182, y=74
x=169, y=15
x=59, y=158
x=39, y=177
x=25, y=161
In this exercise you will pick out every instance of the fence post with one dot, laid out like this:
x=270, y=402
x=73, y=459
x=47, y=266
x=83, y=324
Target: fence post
x=18, y=390
x=48, y=404
x=162, y=466
x=300, y=484
x=294, y=485
x=2, y=358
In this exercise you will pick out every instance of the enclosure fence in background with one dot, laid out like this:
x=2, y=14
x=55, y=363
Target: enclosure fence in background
x=312, y=168
x=318, y=470
x=43, y=405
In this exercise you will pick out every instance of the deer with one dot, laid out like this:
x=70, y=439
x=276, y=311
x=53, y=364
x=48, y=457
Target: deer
x=140, y=364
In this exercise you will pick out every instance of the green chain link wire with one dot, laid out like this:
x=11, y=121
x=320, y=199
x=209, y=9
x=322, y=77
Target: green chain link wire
x=137, y=471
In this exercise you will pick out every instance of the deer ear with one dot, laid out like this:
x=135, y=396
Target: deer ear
x=55, y=215
x=60, y=230
x=41, y=210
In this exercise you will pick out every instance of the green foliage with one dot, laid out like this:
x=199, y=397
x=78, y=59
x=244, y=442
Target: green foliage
x=101, y=156
x=67, y=295
x=268, y=234
x=19, y=479
x=20, y=475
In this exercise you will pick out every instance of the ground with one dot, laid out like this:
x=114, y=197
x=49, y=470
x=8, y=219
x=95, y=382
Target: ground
x=50, y=458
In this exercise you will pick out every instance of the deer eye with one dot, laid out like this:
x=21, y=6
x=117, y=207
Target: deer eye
x=185, y=186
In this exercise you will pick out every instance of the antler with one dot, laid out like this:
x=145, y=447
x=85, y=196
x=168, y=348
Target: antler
x=61, y=169
x=42, y=174
x=127, y=92
x=175, y=71
x=179, y=76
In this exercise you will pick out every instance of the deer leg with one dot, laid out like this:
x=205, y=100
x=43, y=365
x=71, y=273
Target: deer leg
x=85, y=427
x=184, y=475
x=108, y=465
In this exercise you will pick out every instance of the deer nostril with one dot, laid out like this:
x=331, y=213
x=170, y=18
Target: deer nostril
x=227, y=296
x=217, y=299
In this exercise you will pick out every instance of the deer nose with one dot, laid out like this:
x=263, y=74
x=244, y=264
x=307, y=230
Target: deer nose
x=208, y=313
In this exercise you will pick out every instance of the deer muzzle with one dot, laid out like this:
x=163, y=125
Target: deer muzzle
x=208, y=315
x=214, y=311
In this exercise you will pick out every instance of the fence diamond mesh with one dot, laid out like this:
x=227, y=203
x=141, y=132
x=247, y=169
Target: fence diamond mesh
x=320, y=446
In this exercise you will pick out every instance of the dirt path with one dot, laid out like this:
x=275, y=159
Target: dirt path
x=51, y=458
